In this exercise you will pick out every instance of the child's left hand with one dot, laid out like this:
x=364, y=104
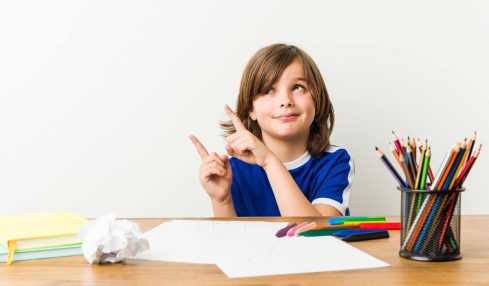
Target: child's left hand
x=244, y=145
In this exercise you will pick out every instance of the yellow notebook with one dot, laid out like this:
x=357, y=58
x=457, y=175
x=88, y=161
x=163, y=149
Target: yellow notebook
x=27, y=231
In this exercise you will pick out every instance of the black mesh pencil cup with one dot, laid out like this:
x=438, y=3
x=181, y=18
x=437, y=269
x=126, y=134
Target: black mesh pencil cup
x=430, y=224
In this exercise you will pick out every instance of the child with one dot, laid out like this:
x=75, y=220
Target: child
x=282, y=162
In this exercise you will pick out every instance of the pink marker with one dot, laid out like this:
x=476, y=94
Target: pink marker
x=291, y=231
x=304, y=228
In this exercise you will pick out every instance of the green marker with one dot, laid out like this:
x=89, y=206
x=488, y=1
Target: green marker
x=360, y=220
x=322, y=231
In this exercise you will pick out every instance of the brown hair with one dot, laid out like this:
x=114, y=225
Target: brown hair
x=262, y=71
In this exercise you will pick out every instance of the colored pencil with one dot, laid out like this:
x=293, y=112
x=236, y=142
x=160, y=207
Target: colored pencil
x=396, y=142
x=454, y=167
x=447, y=219
x=413, y=146
x=441, y=169
x=418, y=171
x=389, y=166
x=466, y=170
x=412, y=161
x=418, y=197
x=409, y=177
x=461, y=163
x=472, y=143
x=430, y=172
x=424, y=172
x=395, y=153
x=453, y=157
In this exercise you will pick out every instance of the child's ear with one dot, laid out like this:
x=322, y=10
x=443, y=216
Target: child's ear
x=252, y=116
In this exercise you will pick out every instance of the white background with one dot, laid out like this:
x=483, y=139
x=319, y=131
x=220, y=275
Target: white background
x=97, y=98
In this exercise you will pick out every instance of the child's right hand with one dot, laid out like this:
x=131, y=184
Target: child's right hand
x=215, y=173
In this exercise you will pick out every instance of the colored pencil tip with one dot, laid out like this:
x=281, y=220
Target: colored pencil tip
x=376, y=148
x=476, y=154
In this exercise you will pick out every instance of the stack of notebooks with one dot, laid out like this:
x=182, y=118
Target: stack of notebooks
x=42, y=235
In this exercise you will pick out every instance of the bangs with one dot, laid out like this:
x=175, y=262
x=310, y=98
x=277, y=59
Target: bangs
x=271, y=68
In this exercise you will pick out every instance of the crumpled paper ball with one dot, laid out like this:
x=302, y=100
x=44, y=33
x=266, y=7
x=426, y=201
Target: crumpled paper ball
x=107, y=240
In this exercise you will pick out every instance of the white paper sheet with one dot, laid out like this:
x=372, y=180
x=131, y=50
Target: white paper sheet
x=302, y=255
x=199, y=241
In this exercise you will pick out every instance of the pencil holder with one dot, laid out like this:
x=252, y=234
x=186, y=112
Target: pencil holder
x=430, y=224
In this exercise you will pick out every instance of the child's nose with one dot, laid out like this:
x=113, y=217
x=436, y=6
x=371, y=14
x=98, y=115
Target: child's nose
x=288, y=104
x=286, y=99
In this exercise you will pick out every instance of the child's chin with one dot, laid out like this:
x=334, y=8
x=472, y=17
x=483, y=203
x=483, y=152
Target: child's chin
x=288, y=134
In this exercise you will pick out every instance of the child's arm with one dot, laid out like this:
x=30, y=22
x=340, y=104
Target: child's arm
x=290, y=199
x=216, y=177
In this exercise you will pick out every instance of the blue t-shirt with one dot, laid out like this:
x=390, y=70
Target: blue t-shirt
x=323, y=180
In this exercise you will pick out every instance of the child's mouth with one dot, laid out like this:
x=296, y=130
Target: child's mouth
x=288, y=116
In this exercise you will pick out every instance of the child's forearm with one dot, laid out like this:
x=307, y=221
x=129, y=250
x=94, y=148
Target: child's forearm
x=223, y=209
x=290, y=199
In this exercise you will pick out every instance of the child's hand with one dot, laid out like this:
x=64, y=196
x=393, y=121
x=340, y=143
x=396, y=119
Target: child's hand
x=215, y=173
x=244, y=145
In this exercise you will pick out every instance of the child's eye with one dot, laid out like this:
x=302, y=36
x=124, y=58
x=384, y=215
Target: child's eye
x=298, y=87
x=270, y=91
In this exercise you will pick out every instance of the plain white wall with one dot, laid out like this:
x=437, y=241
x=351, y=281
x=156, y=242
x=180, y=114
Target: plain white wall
x=97, y=97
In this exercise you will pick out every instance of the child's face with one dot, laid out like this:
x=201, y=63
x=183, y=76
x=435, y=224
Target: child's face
x=287, y=110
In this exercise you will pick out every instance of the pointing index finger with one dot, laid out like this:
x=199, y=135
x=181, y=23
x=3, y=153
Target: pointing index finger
x=234, y=118
x=200, y=148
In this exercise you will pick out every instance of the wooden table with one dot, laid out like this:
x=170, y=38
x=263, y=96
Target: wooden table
x=473, y=269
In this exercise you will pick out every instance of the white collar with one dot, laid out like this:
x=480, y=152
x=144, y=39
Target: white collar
x=298, y=162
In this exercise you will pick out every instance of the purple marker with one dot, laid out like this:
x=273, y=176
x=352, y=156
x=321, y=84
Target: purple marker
x=283, y=232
